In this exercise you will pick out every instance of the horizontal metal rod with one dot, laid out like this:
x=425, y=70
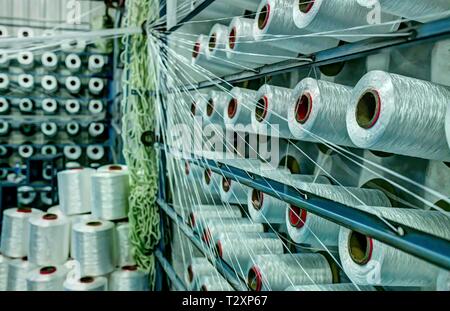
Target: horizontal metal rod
x=432, y=31
x=417, y=243
x=221, y=267
x=170, y=272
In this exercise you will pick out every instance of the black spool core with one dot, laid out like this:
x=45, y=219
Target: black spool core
x=305, y=5
x=261, y=109
x=263, y=16
x=368, y=109
x=360, y=248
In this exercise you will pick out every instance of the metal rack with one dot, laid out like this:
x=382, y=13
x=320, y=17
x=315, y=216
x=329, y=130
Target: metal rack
x=425, y=246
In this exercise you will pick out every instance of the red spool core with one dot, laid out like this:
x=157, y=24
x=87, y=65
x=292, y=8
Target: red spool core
x=232, y=38
x=87, y=279
x=115, y=168
x=187, y=168
x=263, y=17
x=254, y=279
x=226, y=184
x=303, y=108
x=130, y=268
x=232, y=108
x=207, y=176
x=47, y=270
x=257, y=199
x=196, y=50
x=24, y=210
x=50, y=217
x=94, y=223
x=297, y=216
x=219, y=249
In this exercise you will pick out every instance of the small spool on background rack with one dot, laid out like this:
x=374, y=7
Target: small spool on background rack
x=95, y=106
x=95, y=152
x=49, y=149
x=25, y=32
x=96, y=129
x=129, y=278
x=200, y=60
x=26, y=106
x=15, y=229
x=49, y=84
x=49, y=239
x=74, y=189
x=18, y=270
x=86, y=283
x=4, y=59
x=277, y=272
x=73, y=62
x=25, y=60
x=72, y=152
x=73, y=128
x=96, y=86
x=26, y=195
x=198, y=267
x=49, y=106
x=73, y=106
x=73, y=46
x=215, y=105
x=26, y=82
x=211, y=182
x=26, y=150
x=49, y=129
x=264, y=208
x=28, y=129
x=47, y=278
x=96, y=63
x=233, y=192
x=73, y=84
x=93, y=246
x=49, y=61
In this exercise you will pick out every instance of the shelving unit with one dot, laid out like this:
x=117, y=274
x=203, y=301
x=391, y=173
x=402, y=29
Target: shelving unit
x=422, y=245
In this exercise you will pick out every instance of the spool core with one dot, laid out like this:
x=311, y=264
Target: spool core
x=232, y=108
x=193, y=108
x=115, y=168
x=257, y=199
x=130, y=268
x=94, y=223
x=368, y=109
x=360, y=248
x=196, y=50
x=24, y=210
x=232, y=38
x=219, y=249
x=191, y=220
x=210, y=108
x=47, y=270
x=226, y=184
x=263, y=17
x=212, y=42
x=254, y=279
x=303, y=108
x=187, y=168
x=190, y=274
x=50, y=217
x=261, y=108
x=305, y=5
x=297, y=216
x=87, y=279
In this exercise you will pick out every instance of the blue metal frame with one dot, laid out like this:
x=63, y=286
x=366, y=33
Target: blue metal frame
x=220, y=265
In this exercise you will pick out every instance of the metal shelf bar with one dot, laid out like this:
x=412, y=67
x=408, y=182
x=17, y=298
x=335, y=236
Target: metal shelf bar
x=427, y=32
x=425, y=246
x=222, y=267
x=170, y=272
